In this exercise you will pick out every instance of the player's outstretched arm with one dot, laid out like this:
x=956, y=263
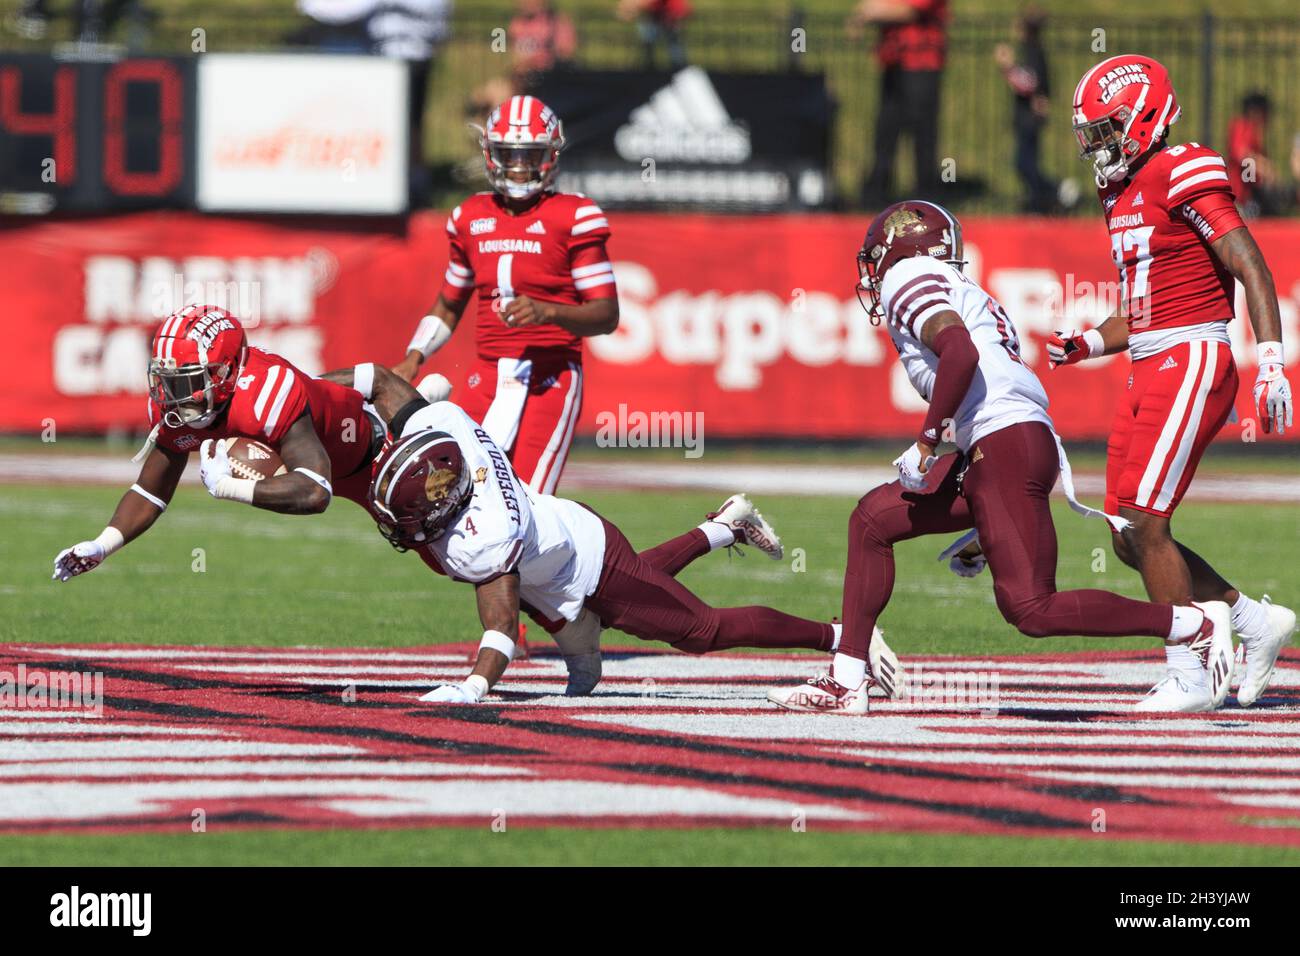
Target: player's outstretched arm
x=498, y=609
x=303, y=490
x=136, y=512
x=595, y=317
x=1241, y=256
x=1066, y=348
x=388, y=392
x=433, y=332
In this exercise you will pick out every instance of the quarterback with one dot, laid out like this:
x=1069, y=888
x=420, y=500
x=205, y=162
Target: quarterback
x=537, y=259
x=961, y=353
x=444, y=487
x=1179, y=243
x=206, y=383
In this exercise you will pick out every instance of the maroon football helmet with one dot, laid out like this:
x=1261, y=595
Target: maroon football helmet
x=421, y=486
x=909, y=228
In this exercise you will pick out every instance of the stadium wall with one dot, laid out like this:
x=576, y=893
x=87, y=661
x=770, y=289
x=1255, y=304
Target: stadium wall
x=752, y=321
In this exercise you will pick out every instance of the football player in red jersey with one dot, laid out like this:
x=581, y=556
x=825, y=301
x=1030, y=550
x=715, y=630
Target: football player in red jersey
x=205, y=383
x=537, y=259
x=1179, y=243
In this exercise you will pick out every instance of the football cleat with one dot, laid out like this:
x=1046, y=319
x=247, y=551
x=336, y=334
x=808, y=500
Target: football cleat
x=822, y=695
x=1184, y=691
x=1260, y=651
x=886, y=672
x=739, y=514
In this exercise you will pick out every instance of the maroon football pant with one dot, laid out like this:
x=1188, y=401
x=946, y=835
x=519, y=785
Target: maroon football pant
x=637, y=594
x=1004, y=494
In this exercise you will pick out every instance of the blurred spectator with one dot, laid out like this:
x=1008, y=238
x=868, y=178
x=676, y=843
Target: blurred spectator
x=911, y=50
x=659, y=20
x=93, y=20
x=540, y=40
x=1025, y=71
x=1251, y=171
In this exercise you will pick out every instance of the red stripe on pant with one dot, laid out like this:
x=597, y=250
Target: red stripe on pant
x=645, y=601
x=1004, y=494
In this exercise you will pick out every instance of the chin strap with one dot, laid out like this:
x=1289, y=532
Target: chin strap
x=148, y=445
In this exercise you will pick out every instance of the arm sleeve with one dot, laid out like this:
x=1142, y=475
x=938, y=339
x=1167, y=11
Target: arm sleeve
x=592, y=272
x=958, y=360
x=458, y=280
x=1213, y=214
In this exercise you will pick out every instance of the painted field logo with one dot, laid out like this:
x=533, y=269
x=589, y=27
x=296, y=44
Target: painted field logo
x=75, y=908
x=959, y=690
x=624, y=429
x=37, y=689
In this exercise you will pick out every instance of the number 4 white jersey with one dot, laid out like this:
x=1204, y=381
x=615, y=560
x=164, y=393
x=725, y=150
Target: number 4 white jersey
x=1004, y=390
x=556, y=545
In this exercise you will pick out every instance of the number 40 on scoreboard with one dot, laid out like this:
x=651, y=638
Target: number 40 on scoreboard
x=90, y=136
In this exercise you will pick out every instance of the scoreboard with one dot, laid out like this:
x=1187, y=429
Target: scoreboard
x=294, y=133
x=96, y=136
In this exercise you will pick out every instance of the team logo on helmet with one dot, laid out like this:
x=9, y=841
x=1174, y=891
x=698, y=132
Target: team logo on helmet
x=910, y=228
x=1123, y=107
x=521, y=145
x=198, y=354
x=421, y=486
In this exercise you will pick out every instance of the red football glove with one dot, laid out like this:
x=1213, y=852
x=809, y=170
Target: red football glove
x=1066, y=348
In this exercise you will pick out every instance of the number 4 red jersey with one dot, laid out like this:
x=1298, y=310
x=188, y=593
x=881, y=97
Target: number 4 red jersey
x=1162, y=220
x=553, y=252
x=270, y=395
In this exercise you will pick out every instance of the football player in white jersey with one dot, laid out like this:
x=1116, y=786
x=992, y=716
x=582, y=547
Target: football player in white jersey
x=960, y=351
x=443, y=486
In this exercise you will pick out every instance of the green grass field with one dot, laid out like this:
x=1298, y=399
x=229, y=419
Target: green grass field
x=331, y=580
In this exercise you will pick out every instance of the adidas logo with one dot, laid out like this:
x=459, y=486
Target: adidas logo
x=1138, y=201
x=256, y=452
x=537, y=228
x=1169, y=363
x=685, y=121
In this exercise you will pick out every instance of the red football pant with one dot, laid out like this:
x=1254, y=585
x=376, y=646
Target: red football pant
x=1176, y=403
x=546, y=421
x=1004, y=494
x=645, y=601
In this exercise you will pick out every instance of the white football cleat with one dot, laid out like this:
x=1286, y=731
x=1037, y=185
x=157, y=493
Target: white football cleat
x=1260, y=651
x=1184, y=691
x=739, y=514
x=822, y=695
x=887, y=673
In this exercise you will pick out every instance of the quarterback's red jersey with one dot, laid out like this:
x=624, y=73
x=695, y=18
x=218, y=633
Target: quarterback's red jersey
x=270, y=395
x=554, y=252
x=1162, y=220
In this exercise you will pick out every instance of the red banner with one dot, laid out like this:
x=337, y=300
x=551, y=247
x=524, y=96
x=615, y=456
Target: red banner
x=751, y=321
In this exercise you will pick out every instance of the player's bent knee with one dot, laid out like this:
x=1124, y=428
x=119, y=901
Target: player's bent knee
x=1023, y=614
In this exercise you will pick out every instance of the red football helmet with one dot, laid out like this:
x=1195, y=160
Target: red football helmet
x=1123, y=107
x=909, y=228
x=198, y=352
x=421, y=485
x=522, y=138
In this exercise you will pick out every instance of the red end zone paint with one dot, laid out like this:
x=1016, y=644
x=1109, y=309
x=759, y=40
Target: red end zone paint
x=309, y=737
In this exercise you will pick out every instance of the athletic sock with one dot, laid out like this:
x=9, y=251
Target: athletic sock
x=1187, y=621
x=1249, y=617
x=719, y=535
x=848, y=671
x=838, y=628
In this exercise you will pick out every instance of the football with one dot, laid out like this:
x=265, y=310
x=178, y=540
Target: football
x=252, y=459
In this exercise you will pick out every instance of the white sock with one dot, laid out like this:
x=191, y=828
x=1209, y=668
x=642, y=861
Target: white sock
x=719, y=535
x=1187, y=621
x=1180, y=658
x=1248, y=616
x=839, y=632
x=849, y=671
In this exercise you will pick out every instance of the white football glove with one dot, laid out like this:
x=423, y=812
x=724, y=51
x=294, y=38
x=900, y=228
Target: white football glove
x=1273, y=399
x=78, y=559
x=434, y=387
x=968, y=565
x=214, y=464
x=909, y=468
x=469, y=691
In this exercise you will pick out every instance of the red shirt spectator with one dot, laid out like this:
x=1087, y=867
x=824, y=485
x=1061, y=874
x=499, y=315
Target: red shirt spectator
x=1246, y=150
x=918, y=44
x=540, y=37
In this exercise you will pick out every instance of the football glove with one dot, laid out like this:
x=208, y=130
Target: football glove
x=78, y=559
x=214, y=464
x=1273, y=399
x=1066, y=348
x=964, y=557
x=909, y=468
